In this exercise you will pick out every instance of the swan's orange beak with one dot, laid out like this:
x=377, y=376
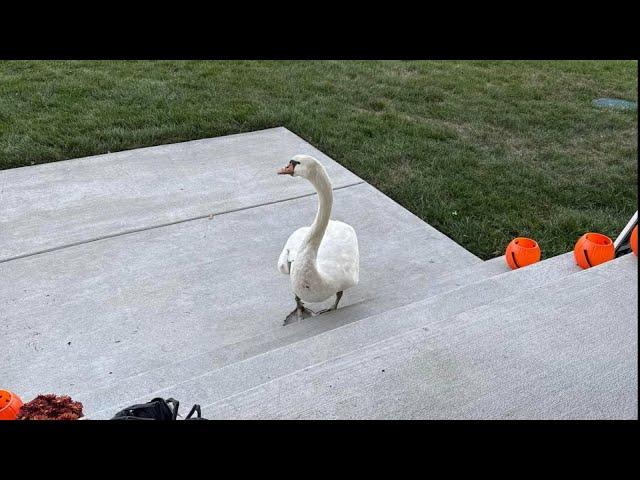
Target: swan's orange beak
x=288, y=170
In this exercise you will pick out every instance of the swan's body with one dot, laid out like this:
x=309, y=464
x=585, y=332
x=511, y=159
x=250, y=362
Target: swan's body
x=336, y=263
x=322, y=260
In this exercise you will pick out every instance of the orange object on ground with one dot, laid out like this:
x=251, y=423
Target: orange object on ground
x=10, y=404
x=593, y=249
x=634, y=240
x=521, y=252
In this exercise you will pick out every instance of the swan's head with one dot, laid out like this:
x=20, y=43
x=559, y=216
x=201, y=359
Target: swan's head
x=301, y=166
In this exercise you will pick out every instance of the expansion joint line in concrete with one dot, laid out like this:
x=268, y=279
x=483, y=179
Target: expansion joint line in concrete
x=152, y=227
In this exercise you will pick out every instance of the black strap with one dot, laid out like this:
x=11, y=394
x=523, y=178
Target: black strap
x=195, y=408
x=176, y=405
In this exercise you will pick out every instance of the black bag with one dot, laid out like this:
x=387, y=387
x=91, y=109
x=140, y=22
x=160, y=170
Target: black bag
x=156, y=409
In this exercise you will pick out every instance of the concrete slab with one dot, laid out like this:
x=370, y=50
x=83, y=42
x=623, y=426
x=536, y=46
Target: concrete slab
x=63, y=203
x=82, y=317
x=211, y=374
x=556, y=354
x=194, y=380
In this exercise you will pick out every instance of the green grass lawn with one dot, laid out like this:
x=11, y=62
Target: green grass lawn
x=483, y=151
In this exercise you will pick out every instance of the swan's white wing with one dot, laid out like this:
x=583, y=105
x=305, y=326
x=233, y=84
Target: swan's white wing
x=338, y=256
x=290, y=250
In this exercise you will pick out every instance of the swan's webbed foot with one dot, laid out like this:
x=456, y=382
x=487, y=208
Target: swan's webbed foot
x=334, y=307
x=299, y=313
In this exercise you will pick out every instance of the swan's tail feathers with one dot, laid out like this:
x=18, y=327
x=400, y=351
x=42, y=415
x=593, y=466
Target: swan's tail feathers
x=283, y=262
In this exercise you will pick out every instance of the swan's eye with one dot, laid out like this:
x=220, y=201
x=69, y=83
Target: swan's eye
x=294, y=163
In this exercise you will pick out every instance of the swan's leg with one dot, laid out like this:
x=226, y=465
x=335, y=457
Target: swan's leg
x=338, y=297
x=335, y=305
x=299, y=313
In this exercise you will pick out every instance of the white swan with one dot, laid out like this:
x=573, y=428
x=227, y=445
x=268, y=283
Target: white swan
x=322, y=260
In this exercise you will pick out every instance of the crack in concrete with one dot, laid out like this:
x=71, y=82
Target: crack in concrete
x=152, y=227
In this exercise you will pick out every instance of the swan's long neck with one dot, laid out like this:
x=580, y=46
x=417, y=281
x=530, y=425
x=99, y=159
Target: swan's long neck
x=320, y=180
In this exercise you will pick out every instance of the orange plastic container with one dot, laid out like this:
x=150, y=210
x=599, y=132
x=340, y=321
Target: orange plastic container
x=10, y=404
x=634, y=240
x=593, y=249
x=521, y=252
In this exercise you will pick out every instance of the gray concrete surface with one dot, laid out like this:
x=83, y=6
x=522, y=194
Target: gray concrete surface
x=85, y=316
x=62, y=203
x=204, y=378
x=568, y=353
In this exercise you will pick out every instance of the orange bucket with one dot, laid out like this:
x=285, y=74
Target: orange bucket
x=10, y=404
x=593, y=249
x=521, y=252
x=634, y=240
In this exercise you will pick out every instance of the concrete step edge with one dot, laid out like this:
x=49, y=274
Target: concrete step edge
x=560, y=265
